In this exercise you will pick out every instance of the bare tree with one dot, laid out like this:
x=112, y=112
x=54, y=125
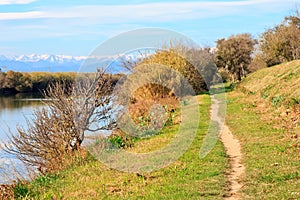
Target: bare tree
x=58, y=129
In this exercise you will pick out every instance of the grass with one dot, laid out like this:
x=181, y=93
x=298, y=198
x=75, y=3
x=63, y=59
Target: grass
x=283, y=79
x=260, y=114
x=253, y=115
x=187, y=178
x=271, y=161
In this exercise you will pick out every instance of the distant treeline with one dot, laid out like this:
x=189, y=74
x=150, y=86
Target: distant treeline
x=12, y=82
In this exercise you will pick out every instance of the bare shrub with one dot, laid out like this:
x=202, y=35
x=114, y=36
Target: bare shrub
x=54, y=135
x=6, y=192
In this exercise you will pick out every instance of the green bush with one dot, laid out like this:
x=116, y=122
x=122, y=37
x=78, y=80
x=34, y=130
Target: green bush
x=21, y=190
x=119, y=139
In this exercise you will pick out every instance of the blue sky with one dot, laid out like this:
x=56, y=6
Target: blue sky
x=76, y=27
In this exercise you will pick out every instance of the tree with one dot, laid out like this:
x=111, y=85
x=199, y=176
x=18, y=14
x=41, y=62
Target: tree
x=13, y=79
x=2, y=79
x=196, y=65
x=234, y=54
x=282, y=43
x=164, y=78
x=57, y=131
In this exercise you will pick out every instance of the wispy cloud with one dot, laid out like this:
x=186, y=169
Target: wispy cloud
x=8, y=2
x=81, y=24
x=21, y=15
x=152, y=12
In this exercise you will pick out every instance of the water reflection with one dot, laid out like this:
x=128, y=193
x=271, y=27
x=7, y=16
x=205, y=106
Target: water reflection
x=19, y=101
x=13, y=113
x=14, y=110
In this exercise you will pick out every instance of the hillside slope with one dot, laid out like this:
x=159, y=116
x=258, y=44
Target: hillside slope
x=275, y=91
x=263, y=113
x=281, y=82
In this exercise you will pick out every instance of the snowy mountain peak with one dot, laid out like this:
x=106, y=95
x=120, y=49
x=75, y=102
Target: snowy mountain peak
x=63, y=63
x=45, y=57
x=43, y=62
x=52, y=63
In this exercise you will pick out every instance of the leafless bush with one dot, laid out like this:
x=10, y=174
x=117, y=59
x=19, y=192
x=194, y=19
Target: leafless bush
x=55, y=133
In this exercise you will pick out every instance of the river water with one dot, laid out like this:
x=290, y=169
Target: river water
x=14, y=110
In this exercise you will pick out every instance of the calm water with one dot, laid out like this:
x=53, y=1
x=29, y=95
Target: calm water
x=13, y=112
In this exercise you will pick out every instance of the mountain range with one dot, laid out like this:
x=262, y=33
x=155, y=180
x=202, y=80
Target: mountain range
x=60, y=63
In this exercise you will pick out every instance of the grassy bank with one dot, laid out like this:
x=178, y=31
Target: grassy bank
x=271, y=160
x=188, y=178
x=269, y=147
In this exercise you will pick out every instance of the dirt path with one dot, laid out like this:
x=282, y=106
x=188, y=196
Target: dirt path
x=233, y=150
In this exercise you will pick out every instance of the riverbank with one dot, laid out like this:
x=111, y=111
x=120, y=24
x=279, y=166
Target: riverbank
x=13, y=82
x=187, y=178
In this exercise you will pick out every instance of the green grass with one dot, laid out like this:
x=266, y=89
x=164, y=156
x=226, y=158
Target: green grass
x=272, y=163
x=269, y=154
x=256, y=114
x=187, y=178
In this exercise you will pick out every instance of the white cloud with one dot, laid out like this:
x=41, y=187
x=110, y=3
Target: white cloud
x=169, y=12
x=152, y=12
x=90, y=22
x=8, y=2
x=21, y=15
